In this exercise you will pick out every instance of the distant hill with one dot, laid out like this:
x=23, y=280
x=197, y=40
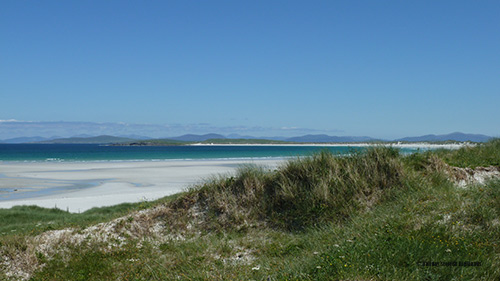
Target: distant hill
x=237, y=136
x=135, y=137
x=191, y=137
x=89, y=140
x=83, y=136
x=153, y=142
x=327, y=138
x=243, y=141
x=24, y=140
x=457, y=136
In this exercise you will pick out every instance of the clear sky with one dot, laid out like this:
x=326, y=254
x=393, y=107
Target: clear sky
x=385, y=69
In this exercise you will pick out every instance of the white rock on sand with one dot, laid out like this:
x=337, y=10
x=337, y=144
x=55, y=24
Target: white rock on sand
x=60, y=184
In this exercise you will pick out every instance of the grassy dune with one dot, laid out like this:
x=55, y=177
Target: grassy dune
x=376, y=215
x=482, y=155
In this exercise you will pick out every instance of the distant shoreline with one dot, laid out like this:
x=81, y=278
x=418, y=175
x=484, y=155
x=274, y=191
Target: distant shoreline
x=396, y=145
x=427, y=145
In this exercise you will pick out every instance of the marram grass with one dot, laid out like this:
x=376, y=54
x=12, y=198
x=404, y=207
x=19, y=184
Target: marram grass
x=305, y=192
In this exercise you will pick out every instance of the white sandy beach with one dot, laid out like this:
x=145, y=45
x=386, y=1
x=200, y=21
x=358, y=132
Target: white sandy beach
x=79, y=186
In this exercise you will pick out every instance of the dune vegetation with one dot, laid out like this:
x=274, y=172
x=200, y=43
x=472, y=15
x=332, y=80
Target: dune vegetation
x=372, y=215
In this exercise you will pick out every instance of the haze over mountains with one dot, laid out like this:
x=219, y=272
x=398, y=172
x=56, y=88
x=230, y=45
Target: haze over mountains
x=321, y=138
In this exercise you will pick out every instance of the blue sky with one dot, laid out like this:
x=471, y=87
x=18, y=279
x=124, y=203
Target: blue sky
x=385, y=69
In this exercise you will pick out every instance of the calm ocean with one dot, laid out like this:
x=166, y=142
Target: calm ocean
x=90, y=152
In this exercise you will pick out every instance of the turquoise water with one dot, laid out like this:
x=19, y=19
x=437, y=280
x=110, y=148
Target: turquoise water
x=90, y=152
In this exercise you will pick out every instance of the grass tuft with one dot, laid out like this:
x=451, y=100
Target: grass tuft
x=305, y=192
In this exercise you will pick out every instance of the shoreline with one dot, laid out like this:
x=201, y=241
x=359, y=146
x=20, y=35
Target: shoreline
x=59, y=184
x=396, y=145
x=97, y=161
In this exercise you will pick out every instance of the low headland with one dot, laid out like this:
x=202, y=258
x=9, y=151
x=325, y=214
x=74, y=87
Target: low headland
x=373, y=215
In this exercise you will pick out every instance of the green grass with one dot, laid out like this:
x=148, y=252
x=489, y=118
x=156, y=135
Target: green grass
x=482, y=155
x=32, y=220
x=396, y=242
x=375, y=215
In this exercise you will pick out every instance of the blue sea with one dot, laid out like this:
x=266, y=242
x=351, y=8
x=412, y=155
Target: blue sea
x=92, y=152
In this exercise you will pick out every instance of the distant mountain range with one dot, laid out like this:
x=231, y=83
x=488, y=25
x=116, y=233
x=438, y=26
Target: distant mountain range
x=89, y=140
x=326, y=138
x=457, y=136
x=191, y=137
x=104, y=139
x=25, y=140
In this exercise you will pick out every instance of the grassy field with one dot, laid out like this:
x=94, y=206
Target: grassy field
x=375, y=215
